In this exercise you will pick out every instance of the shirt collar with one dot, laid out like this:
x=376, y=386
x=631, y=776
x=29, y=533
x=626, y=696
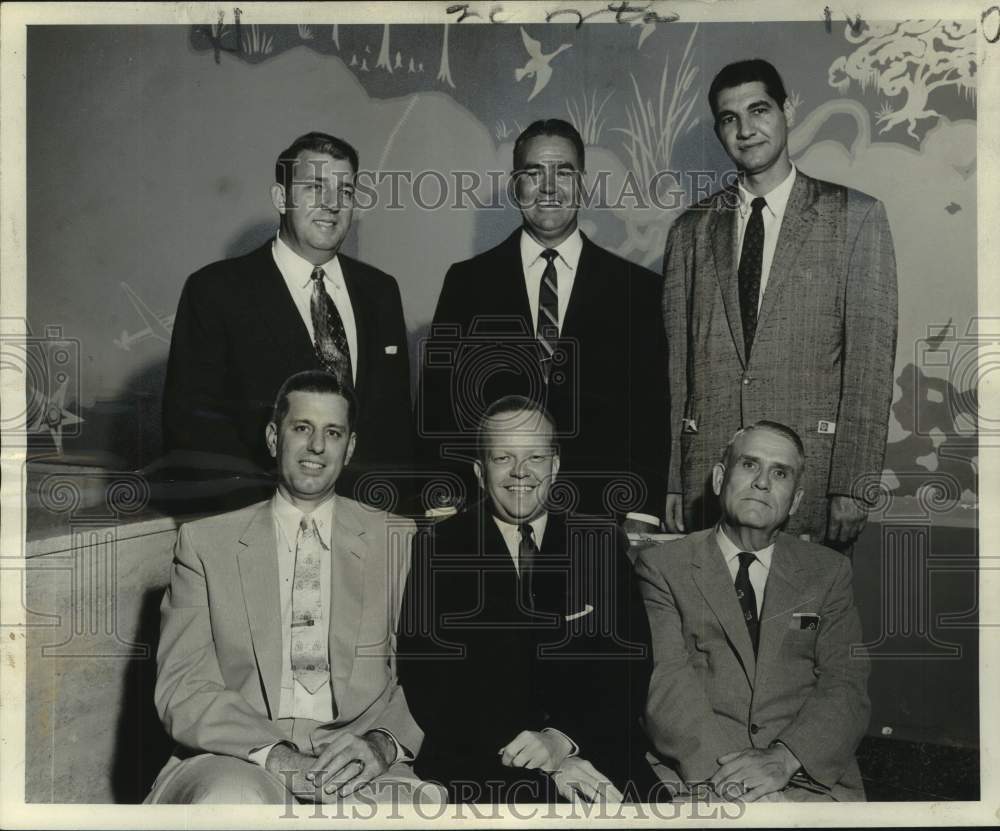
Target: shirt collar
x=511, y=531
x=730, y=551
x=569, y=249
x=299, y=270
x=777, y=197
x=289, y=517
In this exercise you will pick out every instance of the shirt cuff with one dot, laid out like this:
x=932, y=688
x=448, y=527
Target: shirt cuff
x=259, y=756
x=652, y=520
x=574, y=748
x=402, y=754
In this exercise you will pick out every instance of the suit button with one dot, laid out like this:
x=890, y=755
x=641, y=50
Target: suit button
x=746, y=382
x=754, y=729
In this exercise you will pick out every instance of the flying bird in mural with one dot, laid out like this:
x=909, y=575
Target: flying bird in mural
x=157, y=326
x=538, y=65
x=53, y=416
x=648, y=27
x=953, y=207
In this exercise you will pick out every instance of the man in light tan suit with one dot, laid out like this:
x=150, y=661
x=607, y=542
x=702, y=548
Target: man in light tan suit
x=779, y=303
x=759, y=681
x=261, y=709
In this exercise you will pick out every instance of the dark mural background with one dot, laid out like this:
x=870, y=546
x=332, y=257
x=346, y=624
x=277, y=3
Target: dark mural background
x=150, y=151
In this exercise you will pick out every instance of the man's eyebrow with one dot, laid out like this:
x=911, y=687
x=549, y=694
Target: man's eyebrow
x=760, y=102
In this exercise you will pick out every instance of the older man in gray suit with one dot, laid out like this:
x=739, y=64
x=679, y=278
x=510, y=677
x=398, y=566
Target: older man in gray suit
x=758, y=686
x=779, y=303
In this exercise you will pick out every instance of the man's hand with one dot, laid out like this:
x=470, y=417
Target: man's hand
x=292, y=768
x=579, y=781
x=674, y=513
x=532, y=750
x=750, y=774
x=847, y=518
x=349, y=762
x=634, y=525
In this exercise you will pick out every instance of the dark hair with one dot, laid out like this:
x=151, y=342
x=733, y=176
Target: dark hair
x=513, y=405
x=314, y=380
x=548, y=127
x=317, y=143
x=746, y=72
x=774, y=427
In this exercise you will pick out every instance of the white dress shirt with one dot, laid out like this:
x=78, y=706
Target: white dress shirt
x=759, y=568
x=298, y=278
x=533, y=264
x=773, y=214
x=512, y=535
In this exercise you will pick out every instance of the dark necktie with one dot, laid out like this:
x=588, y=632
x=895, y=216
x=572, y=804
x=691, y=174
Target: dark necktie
x=748, y=599
x=751, y=261
x=527, y=551
x=330, y=336
x=547, y=330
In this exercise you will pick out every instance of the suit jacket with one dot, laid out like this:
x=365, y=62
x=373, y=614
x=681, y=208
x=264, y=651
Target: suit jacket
x=478, y=668
x=608, y=397
x=218, y=681
x=237, y=336
x=709, y=695
x=823, y=352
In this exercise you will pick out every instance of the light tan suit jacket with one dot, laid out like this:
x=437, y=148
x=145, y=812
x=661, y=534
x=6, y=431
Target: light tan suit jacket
x=218, y=678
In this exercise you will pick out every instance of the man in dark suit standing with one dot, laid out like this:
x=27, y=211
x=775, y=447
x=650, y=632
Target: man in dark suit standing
x=244, y=325
x=550, y=315
x=780, y=303
x=523, y=644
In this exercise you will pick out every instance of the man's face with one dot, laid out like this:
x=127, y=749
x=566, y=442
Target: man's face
x=317, y=206
x=753, y=129
x=518, y=465
x=758, y=487
x=547, y=188
x=312, y=444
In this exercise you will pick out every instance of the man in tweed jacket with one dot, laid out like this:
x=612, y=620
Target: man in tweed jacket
x=816, y=349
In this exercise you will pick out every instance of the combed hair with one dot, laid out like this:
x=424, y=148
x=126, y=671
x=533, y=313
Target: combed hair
x=314, y=380
x=513, y=405
x=746, y=72
x=317, y=143
x=549, y=127
x=774, y=427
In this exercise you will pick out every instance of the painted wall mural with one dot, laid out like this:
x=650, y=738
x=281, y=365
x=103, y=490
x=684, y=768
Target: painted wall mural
x=163, y=151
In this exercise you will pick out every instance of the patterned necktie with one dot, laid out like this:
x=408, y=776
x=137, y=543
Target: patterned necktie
x=330, y=336
x=527, y=551
x=309, y=650
x=547, y=330
x=751, y=262
x=747, y=597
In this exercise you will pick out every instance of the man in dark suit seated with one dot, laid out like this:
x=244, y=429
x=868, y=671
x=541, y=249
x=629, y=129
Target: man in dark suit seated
x=552, y=316
x=523, y=644
x=758, y=687
x=244, y=325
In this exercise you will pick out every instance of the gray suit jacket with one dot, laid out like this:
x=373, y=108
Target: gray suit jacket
x=823, y=353
x=218, y=678
x=709, y=695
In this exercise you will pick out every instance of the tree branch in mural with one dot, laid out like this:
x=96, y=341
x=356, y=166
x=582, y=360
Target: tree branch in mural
x=538, y=64
x=444, y=71
x=913, y=57
x=653, y=129
x=384, y=60
x=586, y=116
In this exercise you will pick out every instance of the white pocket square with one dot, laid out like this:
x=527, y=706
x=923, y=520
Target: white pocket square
x=391, y=350
x=587, y=609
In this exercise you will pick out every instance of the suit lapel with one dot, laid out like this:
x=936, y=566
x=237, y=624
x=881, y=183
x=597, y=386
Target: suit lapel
x=582, y=298
x=277, y=313
x=258, y=567
x=363, y=308
x=724, y=239
x=785, y=592
x=510, y=281
x=713, y=580
x=347, y=575
x=800, y=213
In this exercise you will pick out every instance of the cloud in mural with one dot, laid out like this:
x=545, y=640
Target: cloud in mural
x=538, y=63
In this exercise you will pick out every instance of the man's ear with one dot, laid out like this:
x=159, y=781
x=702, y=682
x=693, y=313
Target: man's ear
x=555, y=464
x=789, y=112
x=718, y=474
x=271, y=437
x=796, y=500
x=351, y=442
x=278, y=198
x=477, y=466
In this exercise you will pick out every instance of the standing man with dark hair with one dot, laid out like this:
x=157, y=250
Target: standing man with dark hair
x=780, y=303
x=244, y=325
x=550, y=315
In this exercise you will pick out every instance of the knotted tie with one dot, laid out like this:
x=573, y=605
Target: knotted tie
x=547, y=330
x=751, y=262
x=527, y=551
x=747, y=597
x=330, y=336
x=310, y=659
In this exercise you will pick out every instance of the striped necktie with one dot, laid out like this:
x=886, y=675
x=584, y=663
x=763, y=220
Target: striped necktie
x=547, y=330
